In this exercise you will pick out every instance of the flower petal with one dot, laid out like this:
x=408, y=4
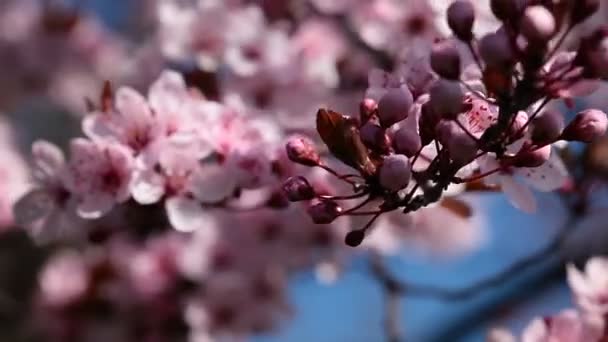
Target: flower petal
x=213, y=183
x=48, y=159
x=32, y=207
x=94, y=207
x=518, y=194
x=186, y=214
x=167, y=93
x=147, y=187
x=547, y=177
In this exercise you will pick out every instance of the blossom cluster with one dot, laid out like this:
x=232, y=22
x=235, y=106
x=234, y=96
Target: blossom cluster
x=585, y=323
x=209, y=167
x=481, y=116
x=172, y=214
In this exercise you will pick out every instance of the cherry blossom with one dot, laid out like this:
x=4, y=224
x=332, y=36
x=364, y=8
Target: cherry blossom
x=567, y=325
x=98, y=175
x=591, y=287
x=516, y=182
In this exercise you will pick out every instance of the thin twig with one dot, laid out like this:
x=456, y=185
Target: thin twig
x=392, y=299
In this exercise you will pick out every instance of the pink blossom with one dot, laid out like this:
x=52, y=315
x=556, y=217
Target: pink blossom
x=48, y=210
x=142, y=124
x=98, y=176
x=516, y=182
x=590, y=287
x=64, y=279
x=567, y=326
x=423, y=231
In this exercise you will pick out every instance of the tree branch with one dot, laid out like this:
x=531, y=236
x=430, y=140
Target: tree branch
x=392, y=291
x=395, y=288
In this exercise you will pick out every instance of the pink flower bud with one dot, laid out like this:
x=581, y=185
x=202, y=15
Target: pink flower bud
x=538, y=24
x=461, y=17
x=301, y=150
x=583, y=9
x=406, y=141
x=587, y=126
x=506, y=9
x=495, y=49
x=374, y=137
x=447, y=98
x=298, y=189
x=394, y=106
x=547, y=127
x=445, y=60
x=324, y=212
x=395, y=172
x=531, y=158
x=367, y=108
x=461, y=147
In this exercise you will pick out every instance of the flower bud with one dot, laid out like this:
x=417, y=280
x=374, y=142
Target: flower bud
x=538, y=24
x=445, y=60
x=447, y=98
x=495, y=49
x=461, y=17
x=406, y=141
x=547, y=127
x=278, y=200
x=395, y=172
x=583, y=9
x=461, y=147
x=394, y=106
x=531, y=158
x=374, y=137
x=506, y=9
x=298, y=189
x=367, y=107
x=301, y=150
x=587, y=126
x=354, y=238
x=324, y=212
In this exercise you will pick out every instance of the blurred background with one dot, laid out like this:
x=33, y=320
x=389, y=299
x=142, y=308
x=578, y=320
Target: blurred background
x=54, y=55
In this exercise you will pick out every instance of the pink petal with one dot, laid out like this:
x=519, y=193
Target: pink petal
x=518, y=194
x=185, y=214
x=49, y=161
x=548, y=177
x=131, y=104
x=167, y=94
x=99, y=126
x=597, y=272
x=32, y=207
x=213, y=183
x=577, y=281
x=94, y=206
x=147, y=187
x=536, y=331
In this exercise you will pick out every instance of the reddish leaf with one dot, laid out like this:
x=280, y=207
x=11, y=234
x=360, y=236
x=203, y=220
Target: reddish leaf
x=341, y=135
x=457, y=207
x=480, y=186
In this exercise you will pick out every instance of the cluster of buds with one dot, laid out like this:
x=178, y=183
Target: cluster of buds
x=412, y=142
